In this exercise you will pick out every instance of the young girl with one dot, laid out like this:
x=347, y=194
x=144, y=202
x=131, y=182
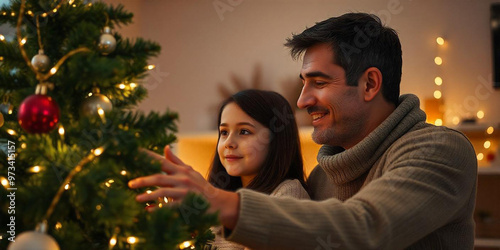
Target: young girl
x=258, y=148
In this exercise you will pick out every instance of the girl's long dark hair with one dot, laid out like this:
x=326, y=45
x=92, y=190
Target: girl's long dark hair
x=284, y=159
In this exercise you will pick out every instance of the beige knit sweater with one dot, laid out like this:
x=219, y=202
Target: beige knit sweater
x=288, y=188
x=408, y=184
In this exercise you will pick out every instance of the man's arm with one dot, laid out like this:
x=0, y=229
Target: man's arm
x=420, y=194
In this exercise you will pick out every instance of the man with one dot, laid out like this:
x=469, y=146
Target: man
x=385, y=179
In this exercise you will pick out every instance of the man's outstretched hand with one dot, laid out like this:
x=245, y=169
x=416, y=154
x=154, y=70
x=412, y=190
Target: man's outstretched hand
x=181, y=179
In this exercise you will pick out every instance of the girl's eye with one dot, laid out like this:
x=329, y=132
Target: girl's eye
x=245, y=132
x=223, y=133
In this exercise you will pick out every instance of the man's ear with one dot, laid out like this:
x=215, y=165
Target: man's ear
x=371, y=83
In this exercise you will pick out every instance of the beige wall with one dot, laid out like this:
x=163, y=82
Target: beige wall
x=200, y=48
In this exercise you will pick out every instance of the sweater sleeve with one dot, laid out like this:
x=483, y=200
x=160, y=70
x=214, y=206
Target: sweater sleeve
x=427, y=183
x=290, y=188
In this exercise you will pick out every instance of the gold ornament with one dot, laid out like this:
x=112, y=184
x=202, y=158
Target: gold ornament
x=97, y=101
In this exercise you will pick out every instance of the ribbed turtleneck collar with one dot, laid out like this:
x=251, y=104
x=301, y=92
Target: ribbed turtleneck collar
x=346, y=165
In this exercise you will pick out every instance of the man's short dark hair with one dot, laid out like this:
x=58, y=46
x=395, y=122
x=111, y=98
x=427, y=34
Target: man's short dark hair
x=359, y=41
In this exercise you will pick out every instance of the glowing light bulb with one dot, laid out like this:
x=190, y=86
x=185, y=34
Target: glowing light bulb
x=23, y=145
x=54, y=10
x=148, y=191
x=2, y=38
x=185, y=244
x=66, y=187
x=490, y=130
x=131, y=240
x=61, y=130
x=438, y=60
x=480, y=114
x=438, y=122
x=11, y=132
x=480, y=156
x=123, y=172
x=100, y=111
x=58, y=225
x=133, y=85
x=487, y=144
x=23, y=41
x=90, y=94
x=121, y=86
x=30, y=12
x=44, y=15
x=437, y=94
x=53, y=70
x=438, y=81
x=35, y=169
x=440, y=40
x=150, y=67
x=4, y=182
x=456, y=120
x=98, y=207
x=98, y=151
x=112, y=241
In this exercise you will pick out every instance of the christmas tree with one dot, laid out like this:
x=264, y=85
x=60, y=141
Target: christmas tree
x=70, y=137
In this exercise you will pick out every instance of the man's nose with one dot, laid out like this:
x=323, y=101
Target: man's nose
x=306, y=98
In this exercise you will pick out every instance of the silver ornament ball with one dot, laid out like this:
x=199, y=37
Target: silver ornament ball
x=5, y=108
x=107, y=42
x=34, y=240
x=40, y=62
x=92, y=104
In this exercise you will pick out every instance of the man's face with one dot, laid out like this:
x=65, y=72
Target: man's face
x=336, y=108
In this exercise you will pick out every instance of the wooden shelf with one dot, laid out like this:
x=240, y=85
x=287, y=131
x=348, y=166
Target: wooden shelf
x=478, y=130
x=484, y=242
x=488, y=170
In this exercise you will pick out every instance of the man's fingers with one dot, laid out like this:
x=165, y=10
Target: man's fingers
x=167, y=165
x=171, y=156
x=161, y=180
x=175, y=193
x=151, y=154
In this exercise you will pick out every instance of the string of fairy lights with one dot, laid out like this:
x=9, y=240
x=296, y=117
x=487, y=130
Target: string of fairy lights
x=39, y=70
x=438, y=93
x=484, y=148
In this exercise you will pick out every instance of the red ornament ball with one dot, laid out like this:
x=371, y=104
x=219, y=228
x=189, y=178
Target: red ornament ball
x=38, y=114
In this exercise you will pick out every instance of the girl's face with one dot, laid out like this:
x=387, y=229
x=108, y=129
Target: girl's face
x=243, y=143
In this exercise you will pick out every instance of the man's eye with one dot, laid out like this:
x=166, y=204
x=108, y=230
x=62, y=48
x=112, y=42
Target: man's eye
x=320, y=83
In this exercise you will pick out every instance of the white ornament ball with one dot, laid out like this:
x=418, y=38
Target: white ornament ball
x=41, y=62
x=107, y=42
x=33, y=240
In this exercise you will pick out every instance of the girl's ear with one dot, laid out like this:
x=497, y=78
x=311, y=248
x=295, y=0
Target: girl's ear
x=371, y=82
